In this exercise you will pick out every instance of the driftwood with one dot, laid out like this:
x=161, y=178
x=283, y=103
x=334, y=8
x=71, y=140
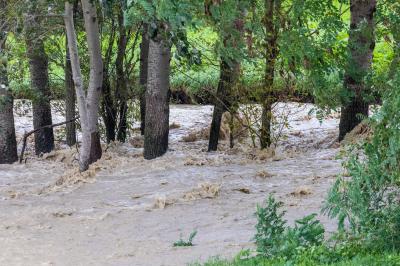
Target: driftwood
x=27, y=134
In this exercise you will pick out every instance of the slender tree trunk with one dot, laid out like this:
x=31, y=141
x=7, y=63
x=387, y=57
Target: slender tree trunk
x=121, y=90
x=70, y=96
x=109, y=111
x=144, y=56
x=271, y=51
x=88, y=103
x=157, y=99
x=109, y=108
x=8, y=143
x=228, y=78
x=38, y=66
x=361, y=46
x=70, y=128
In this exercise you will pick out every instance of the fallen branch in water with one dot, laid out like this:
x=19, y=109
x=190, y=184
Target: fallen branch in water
x=26, y=135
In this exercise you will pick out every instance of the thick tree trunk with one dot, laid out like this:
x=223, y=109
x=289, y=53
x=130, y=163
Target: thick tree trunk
x=95, y=83
x=271, y=51
x=157, y=99
x=361, y=46
x=8, y=143
x=70, y=128
x=121, y=90
x=144, y=56
x=88, y=103
x=38, y=66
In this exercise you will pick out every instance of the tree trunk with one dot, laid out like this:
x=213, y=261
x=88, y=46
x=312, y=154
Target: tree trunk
x=157, y=99
x=121, y=90
x=38, y=66
x=109, y=109
x=70, y=128
x=88, y=103
x=8, y=143
x=271, y=51
x=361, y=46
x=228, y=78
x=70, y=96
x=144, y=56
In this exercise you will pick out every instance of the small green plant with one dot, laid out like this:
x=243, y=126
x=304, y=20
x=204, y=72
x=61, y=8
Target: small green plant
x=275, y=239
x=270, y=227
x=188, y=243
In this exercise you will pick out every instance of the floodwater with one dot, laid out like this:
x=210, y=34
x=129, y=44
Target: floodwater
x=128, y=211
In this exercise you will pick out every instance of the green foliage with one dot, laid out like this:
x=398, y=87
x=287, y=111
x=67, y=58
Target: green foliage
x=186, y=243
x=275, y=239
x=270, y=227
x=389, y=259
x=369, y=199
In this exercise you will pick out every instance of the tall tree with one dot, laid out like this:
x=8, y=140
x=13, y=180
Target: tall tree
x=121, y=92
x=70, y=96
x=231, y=35
x=8, y=143
x=144, y=56
x=38, y=66
x=361, y=46
x=157, y=95
x=108, y=104
x=88, y=103
x=229, y=76
x=272, y=9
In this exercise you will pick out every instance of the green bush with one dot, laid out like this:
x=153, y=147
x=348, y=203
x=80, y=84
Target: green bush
x=369, y=201
x=275, y=239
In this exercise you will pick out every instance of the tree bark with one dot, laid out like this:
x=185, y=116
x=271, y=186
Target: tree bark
x=8, y=143
x=157, y=99
x=38, y=66
x=70, y=95
x=271, y=52
x=361, y=46
x=144, y=56
x=109, y=109
x=88, y=103
x=228, y=78
x=70, y=128
x=121, y=89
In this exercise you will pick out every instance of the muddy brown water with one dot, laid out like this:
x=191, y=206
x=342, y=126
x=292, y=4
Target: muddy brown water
x=131, y=211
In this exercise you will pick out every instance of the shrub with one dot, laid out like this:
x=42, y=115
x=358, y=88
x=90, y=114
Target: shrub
x=369, y=200
x=275, y=239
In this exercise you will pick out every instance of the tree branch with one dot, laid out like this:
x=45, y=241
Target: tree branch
x=26, y=135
